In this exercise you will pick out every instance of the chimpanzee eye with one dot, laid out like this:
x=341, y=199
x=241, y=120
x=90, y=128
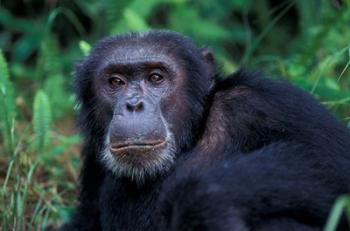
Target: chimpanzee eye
x=116, y=82
x=155, y=78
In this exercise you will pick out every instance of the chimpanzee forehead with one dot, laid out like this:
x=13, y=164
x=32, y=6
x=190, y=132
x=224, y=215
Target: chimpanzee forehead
x=140, y=52
x=132, y=49
x=132, y=46
x=139, y=55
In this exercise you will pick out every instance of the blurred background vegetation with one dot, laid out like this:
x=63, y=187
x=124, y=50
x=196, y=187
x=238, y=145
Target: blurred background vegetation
x=305, y=42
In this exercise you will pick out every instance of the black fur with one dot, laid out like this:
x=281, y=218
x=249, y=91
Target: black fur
x=256, y=154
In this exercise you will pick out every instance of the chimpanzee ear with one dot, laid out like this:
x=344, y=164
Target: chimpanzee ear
x=210, y=60
x=208, y=55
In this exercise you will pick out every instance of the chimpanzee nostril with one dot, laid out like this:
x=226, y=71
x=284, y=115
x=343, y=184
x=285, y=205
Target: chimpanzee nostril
x=134, y=106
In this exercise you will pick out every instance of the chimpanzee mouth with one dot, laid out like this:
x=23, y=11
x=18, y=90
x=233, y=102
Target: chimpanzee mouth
x=123, y=146
x=138, y=158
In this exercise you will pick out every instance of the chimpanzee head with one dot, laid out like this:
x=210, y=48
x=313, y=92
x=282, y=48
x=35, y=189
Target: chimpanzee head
x=143, y=97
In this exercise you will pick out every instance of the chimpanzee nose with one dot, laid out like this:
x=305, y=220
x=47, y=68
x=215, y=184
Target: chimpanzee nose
x=134, y=105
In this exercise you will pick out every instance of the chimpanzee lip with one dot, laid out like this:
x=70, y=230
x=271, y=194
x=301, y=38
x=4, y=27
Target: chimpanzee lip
x=117, y=147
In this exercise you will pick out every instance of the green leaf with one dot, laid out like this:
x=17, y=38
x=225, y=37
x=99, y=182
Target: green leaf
x=332, y=84
x=7, y=104
x=85, y=47
x=25, y=46
x=49, y=60
x=4, y=73
x=342, y=203
x=59, y=96
x=41, y=118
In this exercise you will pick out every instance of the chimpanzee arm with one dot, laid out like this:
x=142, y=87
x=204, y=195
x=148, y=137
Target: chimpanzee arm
x=87, y=215
x=279, y=187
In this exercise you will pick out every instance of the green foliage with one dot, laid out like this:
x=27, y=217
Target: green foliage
x=84, y=47
x=306, y=42
x=7, y=109
x=341, y=205
x=41, y=118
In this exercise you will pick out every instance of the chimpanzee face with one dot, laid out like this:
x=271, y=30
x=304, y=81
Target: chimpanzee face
x=144, y=94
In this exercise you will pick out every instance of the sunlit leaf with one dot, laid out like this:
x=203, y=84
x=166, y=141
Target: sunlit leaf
x=85, y=47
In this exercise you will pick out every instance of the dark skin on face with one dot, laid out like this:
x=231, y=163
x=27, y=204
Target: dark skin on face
x=133, y=89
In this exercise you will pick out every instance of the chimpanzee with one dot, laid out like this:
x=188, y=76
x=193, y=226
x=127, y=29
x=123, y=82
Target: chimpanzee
x=170, y=144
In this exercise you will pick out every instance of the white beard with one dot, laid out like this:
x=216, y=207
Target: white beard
x=161, y=162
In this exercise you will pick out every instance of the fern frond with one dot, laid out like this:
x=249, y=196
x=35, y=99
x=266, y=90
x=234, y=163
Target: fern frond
x=41, y=118
x=7, y=104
